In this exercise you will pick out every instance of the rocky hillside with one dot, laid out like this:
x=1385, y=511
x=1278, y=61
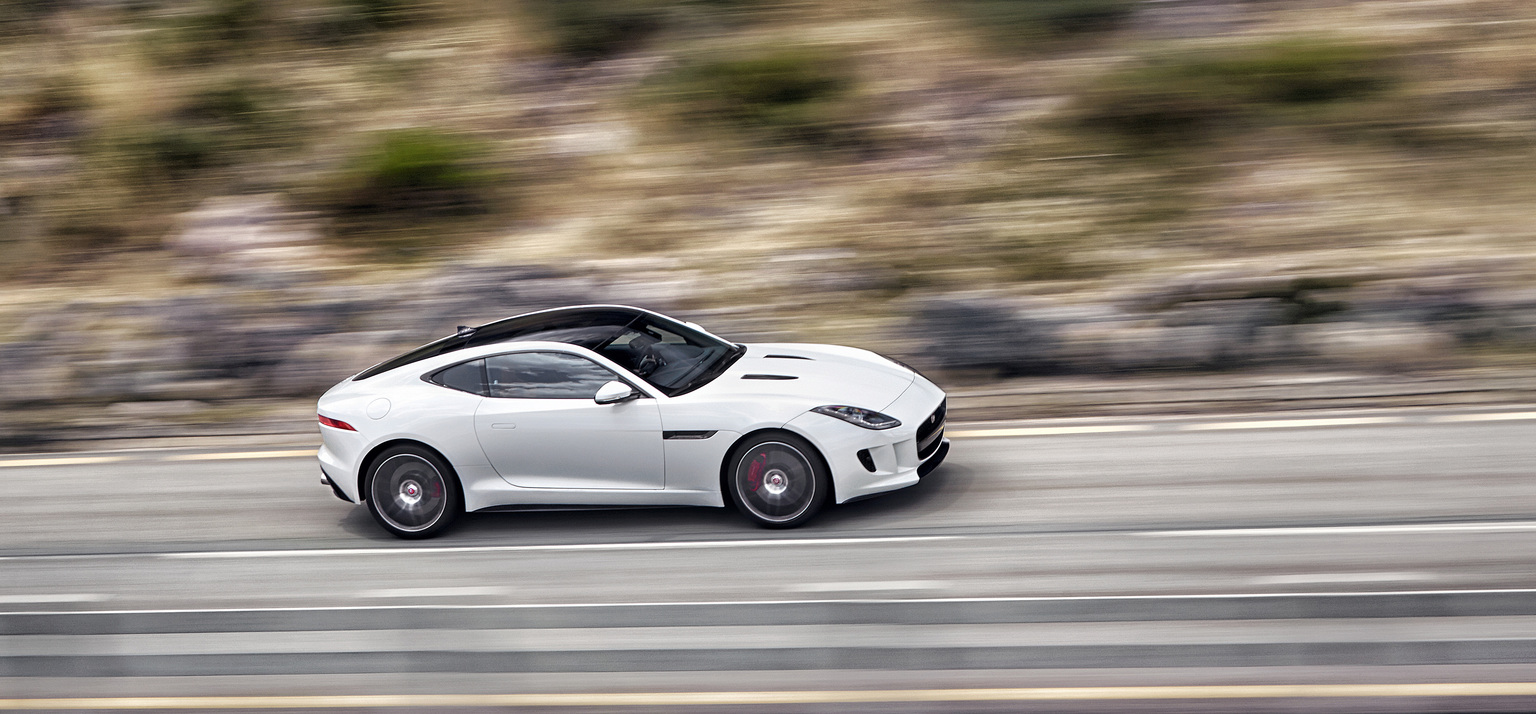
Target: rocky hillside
x=210, y=201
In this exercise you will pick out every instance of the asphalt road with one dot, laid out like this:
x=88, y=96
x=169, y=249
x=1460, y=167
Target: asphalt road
x=1373, y=563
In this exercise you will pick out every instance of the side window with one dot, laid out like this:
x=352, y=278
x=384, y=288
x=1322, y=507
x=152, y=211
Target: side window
x=545, y=375
x=467, y=377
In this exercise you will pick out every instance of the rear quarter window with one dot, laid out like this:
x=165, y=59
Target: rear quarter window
x=465, y=377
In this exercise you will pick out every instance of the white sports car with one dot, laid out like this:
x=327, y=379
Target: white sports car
x=605, y=405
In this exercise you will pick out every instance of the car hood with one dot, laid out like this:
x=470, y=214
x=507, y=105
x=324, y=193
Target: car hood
x=827, y=374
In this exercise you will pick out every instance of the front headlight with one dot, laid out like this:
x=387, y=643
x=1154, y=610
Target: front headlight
x=867, y=418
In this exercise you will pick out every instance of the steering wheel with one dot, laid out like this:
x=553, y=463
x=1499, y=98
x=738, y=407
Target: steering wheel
x=646, y=364
x=641, y=357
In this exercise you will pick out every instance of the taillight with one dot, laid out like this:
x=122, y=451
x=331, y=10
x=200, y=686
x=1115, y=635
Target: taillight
x=334, y=423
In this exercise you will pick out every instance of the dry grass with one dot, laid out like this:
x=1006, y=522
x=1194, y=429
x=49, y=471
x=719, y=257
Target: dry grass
x=972, y=166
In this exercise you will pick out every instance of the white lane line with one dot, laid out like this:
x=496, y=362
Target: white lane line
x=1354, y=594
x=1046, y=431
x=1291, y=423
x=388, y=593
x=709, y=700
x=71, y=461
x=1319, y=578
x=1501, y=527
x=53, y=598
x=870, y=586
x=1503, y=416
x=1475, y=527
x=657, y=545
x=232, y=455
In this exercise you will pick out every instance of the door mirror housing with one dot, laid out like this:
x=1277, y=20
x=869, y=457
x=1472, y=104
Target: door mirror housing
x=615, y=392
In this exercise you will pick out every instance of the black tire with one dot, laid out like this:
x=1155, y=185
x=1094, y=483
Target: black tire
x=412, y=492
x=777, y=479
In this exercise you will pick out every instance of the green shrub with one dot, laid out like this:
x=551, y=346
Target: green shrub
x=243, y=115
x=1020, y=23
x=26, y=17
x=231, y=103
x=342, y=21
x=168, y=152
x=389, y=13
x=213, y=31
x=216, y=127
x=414, y=172
x=1299, y=72
x=55, y=96
x=1193, y=97
x=84, y=233
x=732, y=4
x=230, y=20
x=798, y=95
x=586, y=30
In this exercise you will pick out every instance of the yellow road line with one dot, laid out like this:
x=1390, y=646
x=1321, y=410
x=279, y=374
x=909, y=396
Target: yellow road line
x=679, y=699
x=1502, y=416
x=1490, y=527
x=72, y=461
x=1291, y=423
x=242, y=455
x=1046, y=431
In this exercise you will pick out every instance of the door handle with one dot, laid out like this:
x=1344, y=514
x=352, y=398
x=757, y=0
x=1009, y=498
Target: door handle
x=503, y=425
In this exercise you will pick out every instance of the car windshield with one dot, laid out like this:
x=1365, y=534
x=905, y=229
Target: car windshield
x=671, y=356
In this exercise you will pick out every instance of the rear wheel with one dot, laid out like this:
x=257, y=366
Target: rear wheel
x=778, y=480
x=412, y=492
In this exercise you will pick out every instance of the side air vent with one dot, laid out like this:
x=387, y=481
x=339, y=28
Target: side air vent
x=808, y=359
x=771, y=377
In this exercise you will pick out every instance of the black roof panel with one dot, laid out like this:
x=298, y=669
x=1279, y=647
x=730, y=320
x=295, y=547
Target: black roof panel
x=511, y=329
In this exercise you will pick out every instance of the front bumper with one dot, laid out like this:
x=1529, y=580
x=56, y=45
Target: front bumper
x=867, y=462
x=934, y=459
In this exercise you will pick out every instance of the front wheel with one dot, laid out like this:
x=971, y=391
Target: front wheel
x=778, y=480
x=412, y=493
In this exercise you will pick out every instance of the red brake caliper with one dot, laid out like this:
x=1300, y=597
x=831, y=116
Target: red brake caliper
x=755, y=471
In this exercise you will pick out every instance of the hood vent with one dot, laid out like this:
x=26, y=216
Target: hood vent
x=808, y=359
x=768, y=376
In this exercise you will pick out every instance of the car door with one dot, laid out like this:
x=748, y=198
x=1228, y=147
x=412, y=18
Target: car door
x=540, y=427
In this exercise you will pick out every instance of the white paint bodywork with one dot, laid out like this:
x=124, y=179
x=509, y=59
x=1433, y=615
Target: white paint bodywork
x=578, y=452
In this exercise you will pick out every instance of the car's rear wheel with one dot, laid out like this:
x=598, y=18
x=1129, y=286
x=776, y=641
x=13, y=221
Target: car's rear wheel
x=778, y=480
x=412, y=492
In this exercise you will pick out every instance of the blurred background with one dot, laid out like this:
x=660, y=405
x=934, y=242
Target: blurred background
x=1168, y=215
x=212, y=210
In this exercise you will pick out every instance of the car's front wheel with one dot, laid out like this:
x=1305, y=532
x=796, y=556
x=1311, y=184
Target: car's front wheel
x=778, y=480
x=412, y=492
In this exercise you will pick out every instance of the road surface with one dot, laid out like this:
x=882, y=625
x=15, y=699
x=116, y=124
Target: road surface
x=1377, y=562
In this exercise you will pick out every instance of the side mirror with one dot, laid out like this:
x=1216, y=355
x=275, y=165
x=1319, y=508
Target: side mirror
x=615, y=392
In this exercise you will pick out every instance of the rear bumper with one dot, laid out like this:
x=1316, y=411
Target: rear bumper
x=325, y=480
x=338, y=451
